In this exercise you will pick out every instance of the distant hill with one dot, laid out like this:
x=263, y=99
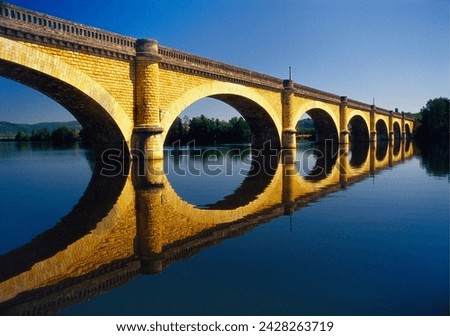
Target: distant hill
x=9, y=130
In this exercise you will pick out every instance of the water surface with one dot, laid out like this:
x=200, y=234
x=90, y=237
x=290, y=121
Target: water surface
x=364, y=232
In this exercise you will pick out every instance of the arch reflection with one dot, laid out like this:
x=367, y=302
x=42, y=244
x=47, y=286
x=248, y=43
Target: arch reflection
x=142, y=226
x=359, y=152
x=261, y=172
x=381, y=149
x=316, y=164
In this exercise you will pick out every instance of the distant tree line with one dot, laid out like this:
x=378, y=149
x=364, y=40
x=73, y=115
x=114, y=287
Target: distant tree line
x=59, y=135
x=434, y=120
x=208, y=131
x=306, y=129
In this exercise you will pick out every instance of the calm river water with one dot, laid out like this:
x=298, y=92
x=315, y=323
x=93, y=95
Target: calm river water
x=225, y=232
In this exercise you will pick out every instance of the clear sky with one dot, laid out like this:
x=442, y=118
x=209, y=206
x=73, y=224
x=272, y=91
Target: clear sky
x=396, y=51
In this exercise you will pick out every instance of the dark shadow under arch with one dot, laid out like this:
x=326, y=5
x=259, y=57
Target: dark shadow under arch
x=358, y=129
x=408, y=131
x=382, y=131
x=264, y=131
x=397, y=131
x=324, y=125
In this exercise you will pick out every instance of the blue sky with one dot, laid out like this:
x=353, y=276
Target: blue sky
x=396, y=51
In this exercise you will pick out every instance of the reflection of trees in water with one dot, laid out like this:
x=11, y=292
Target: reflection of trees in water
x=434, y=156
x=192, y=158
x=257, y=171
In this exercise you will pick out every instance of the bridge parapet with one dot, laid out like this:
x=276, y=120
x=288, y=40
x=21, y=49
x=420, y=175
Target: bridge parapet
x=366, y=107
x=384, y=111
x=308, y=92
x=395, y=114
x=359, y=105
x=30, y=25
x=180, y=60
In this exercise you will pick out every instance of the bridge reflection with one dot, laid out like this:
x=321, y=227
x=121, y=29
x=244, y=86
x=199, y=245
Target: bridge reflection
x=124, y=226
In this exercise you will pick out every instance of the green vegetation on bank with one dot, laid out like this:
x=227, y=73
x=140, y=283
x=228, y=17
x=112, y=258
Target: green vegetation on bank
x=59, y=135
x=207, y=131
x=8, y=130
x=434, y=120
x=306, y=130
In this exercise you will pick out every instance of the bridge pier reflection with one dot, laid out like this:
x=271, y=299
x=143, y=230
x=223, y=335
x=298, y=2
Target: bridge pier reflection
x=149, y=184
x=390, y=152
x=343, y=165
x=372, y=156
x=289, y=156
x=290, y=174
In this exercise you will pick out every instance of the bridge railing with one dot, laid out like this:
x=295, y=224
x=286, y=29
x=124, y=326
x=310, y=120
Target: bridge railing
x=27, y=21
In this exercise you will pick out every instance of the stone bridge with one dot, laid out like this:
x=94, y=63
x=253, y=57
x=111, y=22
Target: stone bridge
x=129, y=91
x=130, y=225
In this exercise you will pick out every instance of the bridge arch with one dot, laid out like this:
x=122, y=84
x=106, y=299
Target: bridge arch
x=89, y=102
x=256, y=110
x=359, y=130
x=324, y=118
x=382, y=130
x=265, y=189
